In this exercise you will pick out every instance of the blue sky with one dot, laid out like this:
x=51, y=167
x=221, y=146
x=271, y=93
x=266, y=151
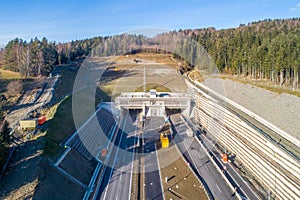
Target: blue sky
x=65, y=20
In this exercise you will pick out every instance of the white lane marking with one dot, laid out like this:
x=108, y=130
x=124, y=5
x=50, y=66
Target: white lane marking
x=206, y=167
x=132, y=160
x=121, y=177
x=114, y=162
x=158, y=166
x=218, y=188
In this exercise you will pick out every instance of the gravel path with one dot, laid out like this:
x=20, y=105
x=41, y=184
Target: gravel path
x=29, y=104
x=280, y=109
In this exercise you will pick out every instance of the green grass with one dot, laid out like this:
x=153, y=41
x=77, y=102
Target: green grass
x=106, y=89
x=6, y=74
x=65, y=82
x=60, y=125
x=61, y=122
x=60, y=116
x=157, y=87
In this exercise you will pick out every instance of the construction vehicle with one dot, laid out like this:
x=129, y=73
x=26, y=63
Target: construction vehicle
x=103, y=152
x=224, y=157
x=41, y=120
x=28, y=124
x=189, y=132
x=164, y=140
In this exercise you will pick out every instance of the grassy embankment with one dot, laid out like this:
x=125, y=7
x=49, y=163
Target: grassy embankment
x=165, y=59
x=6, y=74
x=196, y=76
x=157, y=87
x=5, y=77
x=60, y=116
x=123, y=64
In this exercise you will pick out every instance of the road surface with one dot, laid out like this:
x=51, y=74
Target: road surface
x=152, y=182
x=232, y=175
x=116, y=183
x=200, y=161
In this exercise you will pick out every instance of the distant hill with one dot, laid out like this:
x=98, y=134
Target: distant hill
x=267, y=49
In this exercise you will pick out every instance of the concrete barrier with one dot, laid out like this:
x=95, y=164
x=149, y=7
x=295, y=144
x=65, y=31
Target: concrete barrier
x=274, y=168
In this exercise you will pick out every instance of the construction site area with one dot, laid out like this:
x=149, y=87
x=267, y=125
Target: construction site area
x=146, y=132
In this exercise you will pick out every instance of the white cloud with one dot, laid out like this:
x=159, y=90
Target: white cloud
x=295, y=9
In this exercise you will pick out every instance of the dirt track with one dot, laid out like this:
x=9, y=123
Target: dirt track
x=29, y=103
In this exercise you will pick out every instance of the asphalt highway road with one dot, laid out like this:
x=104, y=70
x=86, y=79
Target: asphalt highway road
x=152, y=183
x=200, y=161
x=116, y=183
x=232, y=175
x=153, y=187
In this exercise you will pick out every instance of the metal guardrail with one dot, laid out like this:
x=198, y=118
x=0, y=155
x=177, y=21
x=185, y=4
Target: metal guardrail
x=215, y=164
x=205, y=187
x=100, y=165
x=218, y=168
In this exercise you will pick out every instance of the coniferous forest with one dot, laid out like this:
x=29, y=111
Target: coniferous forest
x=268, y=49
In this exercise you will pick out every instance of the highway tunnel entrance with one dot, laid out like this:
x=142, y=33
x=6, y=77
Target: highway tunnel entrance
x=153, y=103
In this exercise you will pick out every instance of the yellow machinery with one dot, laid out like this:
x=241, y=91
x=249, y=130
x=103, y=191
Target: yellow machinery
x=164, y=140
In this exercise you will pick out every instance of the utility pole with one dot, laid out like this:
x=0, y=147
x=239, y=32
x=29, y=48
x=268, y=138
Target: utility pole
x=144, y=79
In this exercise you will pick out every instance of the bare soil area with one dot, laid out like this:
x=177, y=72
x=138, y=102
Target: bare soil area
x=31, y=176
x=123, y=74
x=56, y=186
x=182, y=183
x=23, y=173
x=78, y=166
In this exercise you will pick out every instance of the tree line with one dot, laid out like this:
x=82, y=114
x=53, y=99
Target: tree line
x=268, y=49
x=34, y=58
x=37, y=57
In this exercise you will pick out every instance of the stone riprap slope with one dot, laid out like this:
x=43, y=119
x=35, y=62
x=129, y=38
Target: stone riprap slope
x=283, y=110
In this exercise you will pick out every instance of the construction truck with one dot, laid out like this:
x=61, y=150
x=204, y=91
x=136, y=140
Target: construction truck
x=164, y=140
